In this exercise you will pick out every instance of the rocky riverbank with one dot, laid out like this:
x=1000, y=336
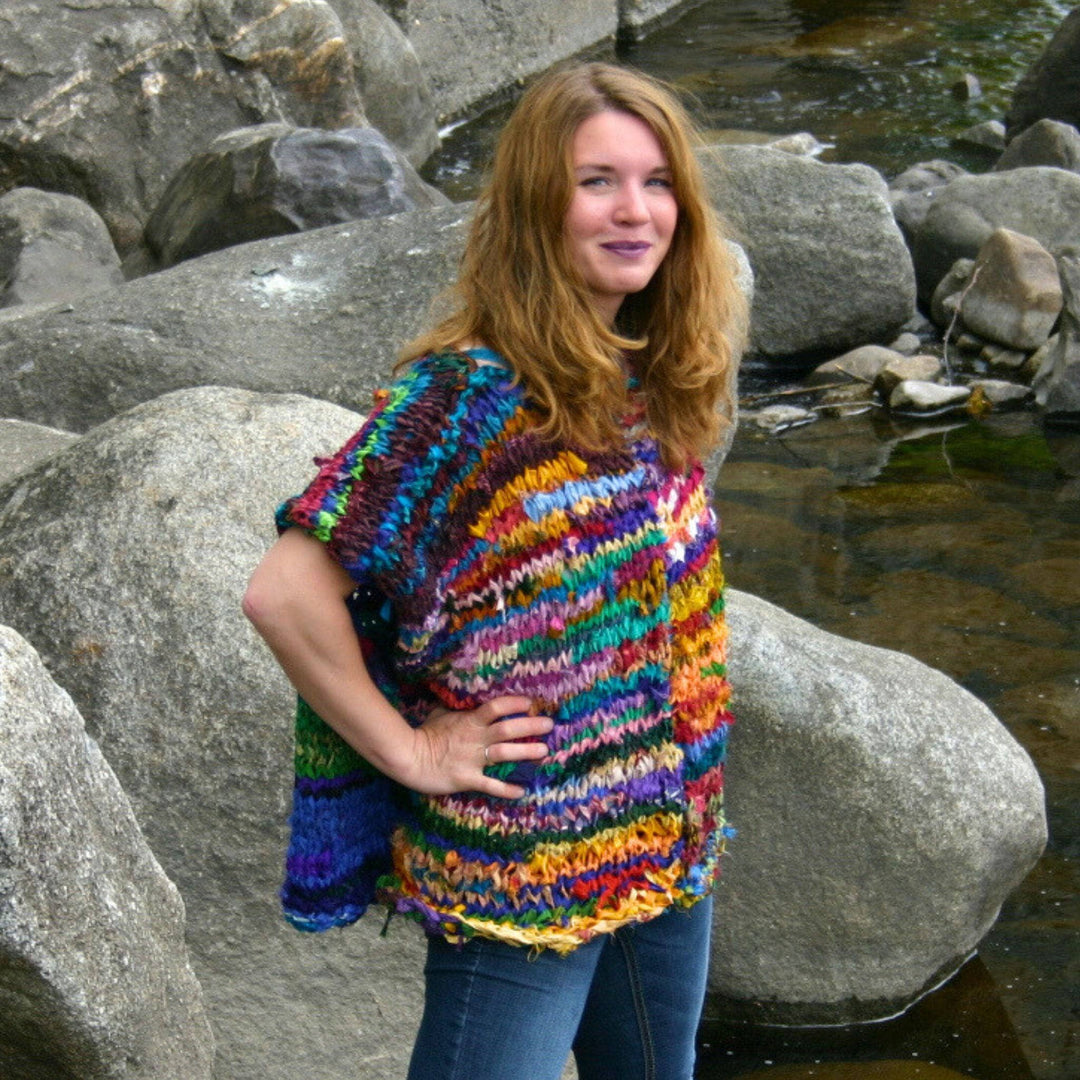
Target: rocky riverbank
x=200, y=290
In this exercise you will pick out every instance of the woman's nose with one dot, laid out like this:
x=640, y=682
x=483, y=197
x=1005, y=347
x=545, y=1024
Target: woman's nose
x=631, y=206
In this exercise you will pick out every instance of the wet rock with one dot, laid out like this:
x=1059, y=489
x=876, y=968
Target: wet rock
x=473, y=50
x=322, y=313
x=921, y=368
x=1002, y=358
x=23, y=445
x=862, y=364
x=94, y=973
x=124, y=559
x=842, y=858
x=1057, y=383
x=52, y=248
x=812, y=293
x=393, y=87
x=1046, y=142
x=851, y=400
x=1050, y=88
x=1014, y=297
x=966, y=88
x=913, y=395
x=1000, y=394
x=777, y=418
x=989, y=136
x=946, y=299
x=912, y=192
x=105, y=102
x=273, y=179
x=1040, y=202
x=637, y=17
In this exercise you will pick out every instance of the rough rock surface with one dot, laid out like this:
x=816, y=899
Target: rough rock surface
x=392, y=85
x=321, y=313
x=812, y=294
x=273, y=179
x=1015, y=293
x=1040, y=202
x=124, y=560
x=1057, y=383
x=883, y=813
x=917, y=395
x=862, y=365
x=1051, y=87
x=23, y=445
x=95, y=982
x=472, y=50
x=914, y=190
x=945, y=301
x=922, y=368
x=52, y=248
x=637, y=17
x=106, y=100
x=1046, y=142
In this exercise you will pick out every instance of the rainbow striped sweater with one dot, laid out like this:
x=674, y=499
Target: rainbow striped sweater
x=587, y=581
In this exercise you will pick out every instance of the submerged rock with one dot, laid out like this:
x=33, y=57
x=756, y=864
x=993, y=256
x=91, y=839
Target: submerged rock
x=1051, y=86
x=884, y=814
x=94, y=972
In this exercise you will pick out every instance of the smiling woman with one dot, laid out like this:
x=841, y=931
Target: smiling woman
x=529, y=502
x=622, y=214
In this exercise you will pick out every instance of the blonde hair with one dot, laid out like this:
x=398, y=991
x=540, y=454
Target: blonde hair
x=520, y=293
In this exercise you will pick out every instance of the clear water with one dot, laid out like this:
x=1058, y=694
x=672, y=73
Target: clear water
x=958, y=544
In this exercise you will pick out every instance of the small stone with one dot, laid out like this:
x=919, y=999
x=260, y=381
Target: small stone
x=915, y=396
x=989, y=136
x=942, y=304
x=861, y=365
x=777, y=418
x=1000, y=393
x=921, y=368
x=967, y=88
x=999, y=356
x=907, y=343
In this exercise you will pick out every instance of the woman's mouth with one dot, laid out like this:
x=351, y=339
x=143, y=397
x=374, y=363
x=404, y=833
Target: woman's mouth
x=627, y=247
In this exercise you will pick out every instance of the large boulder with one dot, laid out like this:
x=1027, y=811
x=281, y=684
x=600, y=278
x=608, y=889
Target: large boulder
x=95, y=982
x=124, y=559
x=914, y=190
x=321, y=313
x=1041, y=202
x=52, y=248
x=831, y=269
x=883, y=812
x=1057, y=382
x=106, y=101
x=392, y=84
x=1051, y=87
x=274, y=179
x=23, y=445
x=1046, y=142
x=474, y=50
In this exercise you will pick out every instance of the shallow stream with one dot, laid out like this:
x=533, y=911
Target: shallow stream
x=958, y=543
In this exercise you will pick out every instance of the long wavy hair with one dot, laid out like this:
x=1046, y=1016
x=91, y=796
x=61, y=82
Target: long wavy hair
x=520, y=293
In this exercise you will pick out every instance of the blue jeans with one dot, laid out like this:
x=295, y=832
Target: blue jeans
x=627, y=1003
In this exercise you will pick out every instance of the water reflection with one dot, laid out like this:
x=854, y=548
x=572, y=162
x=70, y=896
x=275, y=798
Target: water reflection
x=958, y=544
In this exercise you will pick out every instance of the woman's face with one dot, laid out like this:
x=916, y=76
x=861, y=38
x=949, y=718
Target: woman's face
x=622, y=213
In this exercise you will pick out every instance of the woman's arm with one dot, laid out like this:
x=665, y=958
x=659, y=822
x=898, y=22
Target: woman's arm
x=296, y=601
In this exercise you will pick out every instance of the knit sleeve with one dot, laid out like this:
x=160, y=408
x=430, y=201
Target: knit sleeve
x=370, y=503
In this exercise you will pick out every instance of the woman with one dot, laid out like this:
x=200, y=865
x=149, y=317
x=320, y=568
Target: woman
x=529, y=497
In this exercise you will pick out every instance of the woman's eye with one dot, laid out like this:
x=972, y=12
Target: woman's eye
x=594, y=181
x=660, y=181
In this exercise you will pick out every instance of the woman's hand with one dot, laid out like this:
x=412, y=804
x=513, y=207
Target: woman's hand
x=452, y=748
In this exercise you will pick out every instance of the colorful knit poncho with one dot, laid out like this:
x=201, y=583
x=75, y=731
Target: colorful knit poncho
x=587, y=581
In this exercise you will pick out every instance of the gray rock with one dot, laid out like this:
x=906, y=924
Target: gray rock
x=912, y=192
x=851, y=400
x=921, y=368
x=1057, y=382
x=1046, y=142
x=776, y=418
x=273, y=179
x=967, y=87
x=1051, y=87
x=474, y=50
x=998, y=356
x=914, y=395
x=813, y=293
x=1040, y=202
x=393, y=86
x=23, y=445
x=989, y=136
x=94, y=974
x=124, y=559
x=907, y=343
x=1001, y=394
x=1015, y=294
x=945, y=301
x=52, y=248
x=884, y=814
x=638, y=17
x=862, y=364
x=105, y=102
x=322, y=313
